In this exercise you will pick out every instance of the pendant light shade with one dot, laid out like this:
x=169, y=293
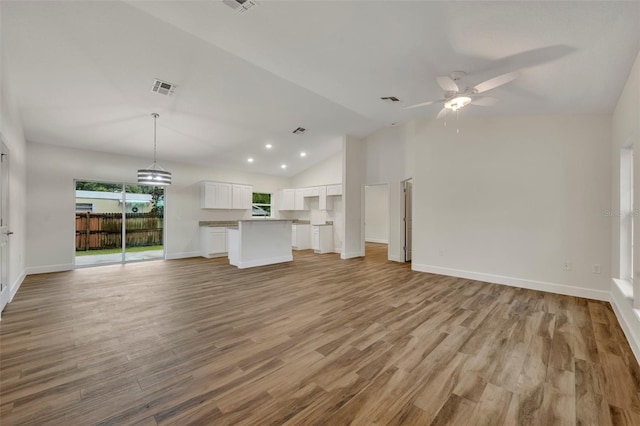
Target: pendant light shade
x=154, y=174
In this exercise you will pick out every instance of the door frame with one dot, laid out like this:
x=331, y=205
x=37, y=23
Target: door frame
x=5, y=188
x=123, y=237
x=403, y=183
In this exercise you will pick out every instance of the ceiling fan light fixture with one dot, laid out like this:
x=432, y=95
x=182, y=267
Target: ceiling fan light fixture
x=457, y=103
x=154, y=174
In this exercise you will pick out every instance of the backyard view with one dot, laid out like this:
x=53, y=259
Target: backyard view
x=118, y=222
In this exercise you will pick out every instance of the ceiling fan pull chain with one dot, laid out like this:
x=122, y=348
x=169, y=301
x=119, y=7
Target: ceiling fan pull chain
x=457, y=119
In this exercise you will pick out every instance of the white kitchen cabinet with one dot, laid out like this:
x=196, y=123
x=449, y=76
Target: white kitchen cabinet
x=326, y=203
x=311, y=192
x=299, y=199
x=322, y=238
x=213, y=241
x=215, y=195
x=334, y=189
x=286, y=199
x=300, y=236
x=242, y=196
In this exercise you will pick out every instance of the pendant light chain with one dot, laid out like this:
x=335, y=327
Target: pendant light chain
x=155, y=125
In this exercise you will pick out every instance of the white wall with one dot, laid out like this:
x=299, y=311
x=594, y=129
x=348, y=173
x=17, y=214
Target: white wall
x=326, y=172
x=13, y=136
x=510, y=199
x=625, y=130
x=376, y=213
x=51, y=203
x=354, y=173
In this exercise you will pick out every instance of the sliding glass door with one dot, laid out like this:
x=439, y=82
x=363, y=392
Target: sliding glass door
x=118, y=222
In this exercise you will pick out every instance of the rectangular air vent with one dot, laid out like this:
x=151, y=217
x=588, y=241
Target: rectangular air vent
x=390, y=99
x=163, y=87
x=299, y=131
x=240, y=6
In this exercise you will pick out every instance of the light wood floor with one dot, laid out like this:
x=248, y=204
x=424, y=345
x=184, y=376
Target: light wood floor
x=314, y=341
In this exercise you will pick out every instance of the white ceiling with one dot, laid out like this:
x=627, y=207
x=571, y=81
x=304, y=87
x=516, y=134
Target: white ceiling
x=82, y=71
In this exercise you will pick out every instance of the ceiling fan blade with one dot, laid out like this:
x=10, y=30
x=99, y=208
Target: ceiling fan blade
x=441, y=114
x=484, y=101
x=447, y=84
x=419, y=105
x=496, y=81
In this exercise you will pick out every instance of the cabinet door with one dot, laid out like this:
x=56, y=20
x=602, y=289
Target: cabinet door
x=242, y=195
x=286, y=199
x=294, y=239
x=315, y=239
x=223, y=196
x=218, y=242
x=208, y=195
x=322, y=192
x=247, y=197
x=299, y=199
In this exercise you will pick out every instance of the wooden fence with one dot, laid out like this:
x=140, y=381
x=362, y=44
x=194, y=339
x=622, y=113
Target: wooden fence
x=96, y=231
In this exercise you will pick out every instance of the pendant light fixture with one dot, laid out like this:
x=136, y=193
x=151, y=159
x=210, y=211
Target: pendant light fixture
x=154, y=174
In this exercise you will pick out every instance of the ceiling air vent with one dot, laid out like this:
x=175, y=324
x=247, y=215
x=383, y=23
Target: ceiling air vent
x=240, y=6
x=163, y=88
x=390, y=99
x=299, y=131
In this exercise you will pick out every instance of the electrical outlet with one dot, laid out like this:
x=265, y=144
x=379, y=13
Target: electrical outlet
x=566, y=266
x=596, y=269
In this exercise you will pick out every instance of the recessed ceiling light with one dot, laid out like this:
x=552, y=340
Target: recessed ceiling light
x=303, y=154
x=268, y=146
x=283, y=166
x=250, y=160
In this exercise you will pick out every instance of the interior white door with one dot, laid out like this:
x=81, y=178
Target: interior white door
x=4, y=226
x=408, y=220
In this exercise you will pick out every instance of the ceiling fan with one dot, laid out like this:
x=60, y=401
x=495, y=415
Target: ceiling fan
x=457, y=95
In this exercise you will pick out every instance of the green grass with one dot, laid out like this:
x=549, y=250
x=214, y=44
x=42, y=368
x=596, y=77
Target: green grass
x=117, y=250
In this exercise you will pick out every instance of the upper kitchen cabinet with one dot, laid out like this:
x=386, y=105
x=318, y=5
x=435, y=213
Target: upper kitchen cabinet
x=334, y=189
x=291, y=199
x=222, y=195
x=241, y=196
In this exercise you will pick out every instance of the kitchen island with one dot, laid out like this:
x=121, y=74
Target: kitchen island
x=260, y=242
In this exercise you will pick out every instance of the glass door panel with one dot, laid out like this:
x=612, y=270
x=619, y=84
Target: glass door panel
x=98, y=223
x=144, y=222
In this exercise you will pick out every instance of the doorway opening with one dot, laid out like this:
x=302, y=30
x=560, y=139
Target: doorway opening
x=376, y=219
x=118, y=222
x=407, y=217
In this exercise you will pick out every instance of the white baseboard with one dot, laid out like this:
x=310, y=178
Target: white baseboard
x=183, y=255
x=376, y=240
x=351, y=255
x=263, y=262
x=13, y=289
x=395, y=258
x=628, y=318
x=516, y=282
x=49, y=268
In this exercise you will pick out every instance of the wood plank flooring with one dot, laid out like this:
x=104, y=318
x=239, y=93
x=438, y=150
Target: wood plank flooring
x=315, y=341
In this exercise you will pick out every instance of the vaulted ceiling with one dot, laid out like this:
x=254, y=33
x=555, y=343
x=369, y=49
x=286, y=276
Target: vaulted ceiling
x=82, y=72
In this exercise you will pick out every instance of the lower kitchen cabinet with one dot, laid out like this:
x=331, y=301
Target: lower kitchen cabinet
x=300, y=237
x=322, y=238
x=213, y=241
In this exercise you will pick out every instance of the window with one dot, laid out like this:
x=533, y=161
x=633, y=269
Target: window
x=261, y=205
x=627, y=217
